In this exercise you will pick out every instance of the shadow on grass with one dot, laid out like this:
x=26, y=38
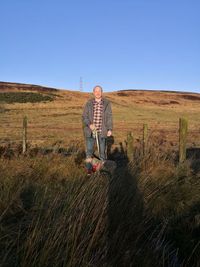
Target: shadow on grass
x=125, y=213
x=101, y=220
x=134, y=237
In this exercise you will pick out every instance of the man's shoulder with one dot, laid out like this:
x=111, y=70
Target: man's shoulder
x=90, y=101
x=106, y=101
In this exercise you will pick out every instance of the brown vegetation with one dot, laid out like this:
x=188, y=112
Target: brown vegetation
x=60, y=119
x=52, y=214
x=147, y=213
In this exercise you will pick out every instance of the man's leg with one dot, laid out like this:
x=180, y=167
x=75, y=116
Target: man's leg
x=89, y=146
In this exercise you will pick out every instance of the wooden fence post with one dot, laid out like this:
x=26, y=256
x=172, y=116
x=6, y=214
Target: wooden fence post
x=24, y=135
x=110, y=142
x=183, y=128
x=145, y=135
x=130, y=146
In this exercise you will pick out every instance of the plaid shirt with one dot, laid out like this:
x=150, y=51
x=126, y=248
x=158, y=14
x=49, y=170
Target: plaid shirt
x=98, y=111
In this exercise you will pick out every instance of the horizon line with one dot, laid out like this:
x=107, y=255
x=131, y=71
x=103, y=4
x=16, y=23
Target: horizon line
x=128, y=89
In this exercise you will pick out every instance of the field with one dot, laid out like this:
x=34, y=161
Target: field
x=60, y=119
x=145, y=213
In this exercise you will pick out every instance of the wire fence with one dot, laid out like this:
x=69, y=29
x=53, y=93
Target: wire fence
x=157, y=133
x=47, y=133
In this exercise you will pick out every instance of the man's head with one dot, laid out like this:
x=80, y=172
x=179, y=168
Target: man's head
x=98, y=91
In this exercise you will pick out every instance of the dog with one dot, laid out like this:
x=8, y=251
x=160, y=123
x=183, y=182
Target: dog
x=93, y=165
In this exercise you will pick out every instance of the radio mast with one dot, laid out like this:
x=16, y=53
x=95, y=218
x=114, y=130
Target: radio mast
x=81, y=84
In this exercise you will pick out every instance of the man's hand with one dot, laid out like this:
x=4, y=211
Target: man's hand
x=109, y=133
x=92, y=127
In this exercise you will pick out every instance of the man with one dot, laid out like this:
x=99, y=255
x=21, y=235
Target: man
x=97, y=116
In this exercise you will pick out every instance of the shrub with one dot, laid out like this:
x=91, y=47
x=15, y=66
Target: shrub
x=24, y=97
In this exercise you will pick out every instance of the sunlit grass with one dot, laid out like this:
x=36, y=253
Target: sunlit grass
x=61, y=118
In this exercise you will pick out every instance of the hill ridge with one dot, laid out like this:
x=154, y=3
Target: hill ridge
x=26, y=86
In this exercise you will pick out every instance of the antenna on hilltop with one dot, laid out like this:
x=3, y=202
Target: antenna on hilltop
x=81, y=84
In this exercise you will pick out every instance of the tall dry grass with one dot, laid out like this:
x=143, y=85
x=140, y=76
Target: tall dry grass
x=52, y=214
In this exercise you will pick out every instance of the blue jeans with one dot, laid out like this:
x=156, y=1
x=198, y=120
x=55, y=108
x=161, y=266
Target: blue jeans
x=90, y=141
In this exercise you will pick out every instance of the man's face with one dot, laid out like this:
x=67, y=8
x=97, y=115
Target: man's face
x=97, y=92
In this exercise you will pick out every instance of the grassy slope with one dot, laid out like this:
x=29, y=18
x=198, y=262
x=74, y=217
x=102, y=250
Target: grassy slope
x=146, y=214
x=61, y=118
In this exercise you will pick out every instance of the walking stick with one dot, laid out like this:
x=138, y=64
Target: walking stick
x=97, y=140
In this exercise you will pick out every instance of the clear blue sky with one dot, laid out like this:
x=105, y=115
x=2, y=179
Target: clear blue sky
x=119, y=44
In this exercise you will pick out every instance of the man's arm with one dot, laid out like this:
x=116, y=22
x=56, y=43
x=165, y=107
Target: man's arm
x=85, y=115
x=109, y=119
x=85, y=118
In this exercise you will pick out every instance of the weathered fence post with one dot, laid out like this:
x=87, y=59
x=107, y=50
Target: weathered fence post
x=24, y=135
x=145, y=135
x=129, y=146
x=110, y=142
x=183, y=128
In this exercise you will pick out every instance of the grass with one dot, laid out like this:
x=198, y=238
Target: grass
x=52, y=214
x=2, y=108
x=23, y=97
x=61, y=118
x=145, y=214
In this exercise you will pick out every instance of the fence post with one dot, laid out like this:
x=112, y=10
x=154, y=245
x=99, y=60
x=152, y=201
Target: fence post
x=130, y=146
x=145, y=135
x=183, y=128
x=110, y=141
x=24, y=135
